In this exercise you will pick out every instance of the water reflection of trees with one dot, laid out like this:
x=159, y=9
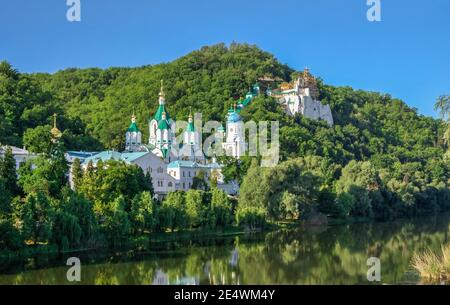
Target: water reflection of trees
x=336, y=255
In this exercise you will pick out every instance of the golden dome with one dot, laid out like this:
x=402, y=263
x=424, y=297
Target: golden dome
x=56, y=133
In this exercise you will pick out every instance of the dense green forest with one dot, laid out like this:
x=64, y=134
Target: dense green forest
x=381, y=160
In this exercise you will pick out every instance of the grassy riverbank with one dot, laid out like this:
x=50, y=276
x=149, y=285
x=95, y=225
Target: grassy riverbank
x=433, y=266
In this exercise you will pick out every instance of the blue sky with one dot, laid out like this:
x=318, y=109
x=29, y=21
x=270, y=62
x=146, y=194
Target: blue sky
x=405, y=55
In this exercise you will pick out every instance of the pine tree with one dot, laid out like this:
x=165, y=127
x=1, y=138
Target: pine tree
x=8, y=172
x=59, y=169
x=77, y=174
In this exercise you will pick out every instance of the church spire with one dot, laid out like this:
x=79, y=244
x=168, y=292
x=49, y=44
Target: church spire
x=162, y=94
x=190, y=120
x=133, y=116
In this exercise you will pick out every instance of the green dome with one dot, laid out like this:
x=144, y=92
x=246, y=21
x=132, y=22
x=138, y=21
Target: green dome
x=159, y=112
x=133, y=128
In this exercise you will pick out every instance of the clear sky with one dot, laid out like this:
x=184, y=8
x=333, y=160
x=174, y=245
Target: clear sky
x=405, y=55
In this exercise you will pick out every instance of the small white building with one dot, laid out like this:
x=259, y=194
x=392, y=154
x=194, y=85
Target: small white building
x=185, y=171
x=21, y=155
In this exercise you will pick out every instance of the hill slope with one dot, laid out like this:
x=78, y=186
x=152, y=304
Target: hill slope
x=397, y=152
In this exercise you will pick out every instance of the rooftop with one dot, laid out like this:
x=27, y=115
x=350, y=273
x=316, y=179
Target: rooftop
x=104, y=156
x=15, y=150
x=191, y=164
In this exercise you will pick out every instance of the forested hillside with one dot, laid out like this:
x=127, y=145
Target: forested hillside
x=207, y=81
x=380, y=160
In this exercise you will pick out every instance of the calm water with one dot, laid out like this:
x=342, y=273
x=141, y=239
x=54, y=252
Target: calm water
x=334, y=255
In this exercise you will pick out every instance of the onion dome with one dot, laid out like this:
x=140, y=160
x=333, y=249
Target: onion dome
x=133, y=127
x=162, y=103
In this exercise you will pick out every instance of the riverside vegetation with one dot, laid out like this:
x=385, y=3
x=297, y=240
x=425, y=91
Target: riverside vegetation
x=431, y=266
x=381, y=160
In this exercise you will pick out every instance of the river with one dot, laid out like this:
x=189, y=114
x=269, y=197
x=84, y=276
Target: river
x=327, y=255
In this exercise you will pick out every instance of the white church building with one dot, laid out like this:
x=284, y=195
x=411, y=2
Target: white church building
x=302, y=97
x=234, y=135
x=171, y=166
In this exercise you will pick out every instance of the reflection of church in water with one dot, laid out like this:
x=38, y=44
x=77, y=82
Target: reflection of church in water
x=229, y=276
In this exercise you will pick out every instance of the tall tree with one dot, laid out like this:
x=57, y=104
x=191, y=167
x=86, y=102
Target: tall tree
x=117, y=224
x=59, y=169
x=175, y=202
x=77, y=174
x=194, y=208
x=443, y=106
x=36, y=218
x=142, y=214
x=8, y=171
x=221, y=207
